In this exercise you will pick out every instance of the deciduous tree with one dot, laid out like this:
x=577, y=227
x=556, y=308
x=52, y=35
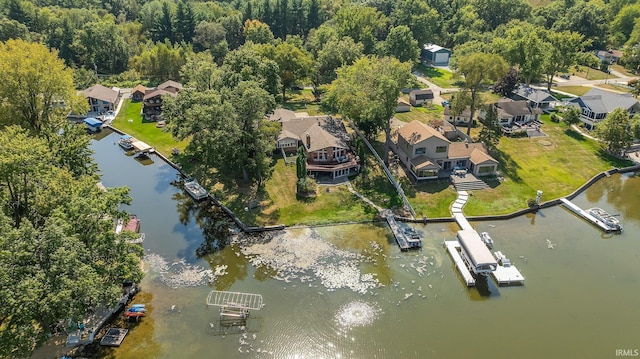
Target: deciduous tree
x=34, y=86
x=367, y=93
x=491, y=130
x=401, y=45
x=563, y=48
x=478, y=70
x=615, y=131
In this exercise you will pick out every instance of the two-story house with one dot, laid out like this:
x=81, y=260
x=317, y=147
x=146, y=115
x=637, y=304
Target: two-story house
x=429, y=155
x=101, y=99
x=596, y=104
x=152, y=100
x=325, y=141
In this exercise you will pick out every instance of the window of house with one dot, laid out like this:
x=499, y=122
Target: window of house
x=441, y=149
x=320, y=155
x=427, y=173
x=485, y=169
x=420, y=151
x=287, y=143
x=341, y=173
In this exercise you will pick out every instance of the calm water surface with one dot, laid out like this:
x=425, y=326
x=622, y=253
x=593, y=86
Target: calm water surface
x=348, y=292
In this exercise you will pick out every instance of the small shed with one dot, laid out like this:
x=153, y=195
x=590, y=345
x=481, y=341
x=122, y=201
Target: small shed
x=93, y=124
x=435, y=55
x=403, y=105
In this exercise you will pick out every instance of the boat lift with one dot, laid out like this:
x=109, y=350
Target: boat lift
x=234, y=306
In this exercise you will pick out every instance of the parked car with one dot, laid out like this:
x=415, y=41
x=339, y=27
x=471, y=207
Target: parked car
x=565, y=76
x=445, y=103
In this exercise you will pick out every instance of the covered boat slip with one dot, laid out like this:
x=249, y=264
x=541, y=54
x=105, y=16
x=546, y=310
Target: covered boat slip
x=235, y=300
x=476, y=252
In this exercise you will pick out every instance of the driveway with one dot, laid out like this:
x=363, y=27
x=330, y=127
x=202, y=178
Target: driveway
x=437, y=90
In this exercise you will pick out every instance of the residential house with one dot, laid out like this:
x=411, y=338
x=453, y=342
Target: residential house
x=419, y=97
x=152, y=100
x=511, y=112
x=137, y=94
x=403, y=105
x=435, y=55
x=325, y=141
x=101, y=98
x=429, y=155
x=608, y=56
x=457, y=119
x=535, y=98
x=596, y=104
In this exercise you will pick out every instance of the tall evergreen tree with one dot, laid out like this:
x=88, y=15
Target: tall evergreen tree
x=267, y=13
x=248, y=11
x=185, y=22
x=164, y=25
x=313, y=17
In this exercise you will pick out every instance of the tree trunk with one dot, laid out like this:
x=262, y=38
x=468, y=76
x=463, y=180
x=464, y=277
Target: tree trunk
x=245, y=174
x=387, y=138
x=549, y=82
x=472, y=110
x=284, y=93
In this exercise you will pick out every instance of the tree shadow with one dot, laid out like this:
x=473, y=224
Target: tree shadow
x=575, y=135
x=507, y=165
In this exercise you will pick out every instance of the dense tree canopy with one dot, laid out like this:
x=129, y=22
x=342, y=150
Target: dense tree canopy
x=615, y=131
x=367, y=93
x=58, y=252
x=36, y=87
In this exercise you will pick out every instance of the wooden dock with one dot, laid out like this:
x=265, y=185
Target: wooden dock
x=584, y=214
x=404, y=242
x=452, y=248
x=114, y=337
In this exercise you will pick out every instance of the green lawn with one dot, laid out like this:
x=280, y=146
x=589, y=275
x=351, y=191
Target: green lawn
x=590, y=74
x=431, y=199
x=622, y=70
x=556, y=165
x=278, y=203
x=439, y=77
x=422, y=114
x=618, y=87
x=576, y=90
x=130, y=120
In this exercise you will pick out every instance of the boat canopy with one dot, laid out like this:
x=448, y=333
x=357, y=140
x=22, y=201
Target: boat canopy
x=477, y=251
x=125, y=137
x=93, y=122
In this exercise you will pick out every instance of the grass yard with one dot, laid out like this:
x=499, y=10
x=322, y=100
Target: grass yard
x=617, y=87
x=590, y=74
x=432, y=198
x=439, y=77
x=423, y=114
x=302, y=101
x=575, y=90
x=130, y=120
x=278, y=203
x=556, y=165
x=622, y=70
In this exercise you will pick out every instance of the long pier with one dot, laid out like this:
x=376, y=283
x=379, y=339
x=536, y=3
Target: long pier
x=584, y=214
x=404, y=242
x=452, y=248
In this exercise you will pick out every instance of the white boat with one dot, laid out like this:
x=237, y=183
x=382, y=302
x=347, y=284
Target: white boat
x=126, y=142
x=195, y=190
x=486, y=238
x=606, y=218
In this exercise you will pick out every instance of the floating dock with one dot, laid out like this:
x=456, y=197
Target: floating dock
x=114, y=337
x=506, y=274
x=584, y=214
x=453, y=247
x=405, y=242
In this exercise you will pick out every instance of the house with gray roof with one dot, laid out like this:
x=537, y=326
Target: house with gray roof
x=428, y=154
x=511, y=112
x=419, y=97
x=325, y=141
x=596, y=104
x=536, y=98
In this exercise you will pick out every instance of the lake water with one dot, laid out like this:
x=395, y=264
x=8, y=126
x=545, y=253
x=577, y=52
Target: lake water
x=349, y=292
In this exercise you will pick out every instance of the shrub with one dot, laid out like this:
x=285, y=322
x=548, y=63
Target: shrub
x=306, y=188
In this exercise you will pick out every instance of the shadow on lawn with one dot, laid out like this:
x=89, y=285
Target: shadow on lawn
x=508, y=166
x=574, y=134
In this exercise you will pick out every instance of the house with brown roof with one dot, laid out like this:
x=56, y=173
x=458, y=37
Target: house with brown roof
x=152, y=99
x=137, y=94
x=402, y=105
x=101, y=98
x=429, y=155
x=325, y=141
x=512, y=112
